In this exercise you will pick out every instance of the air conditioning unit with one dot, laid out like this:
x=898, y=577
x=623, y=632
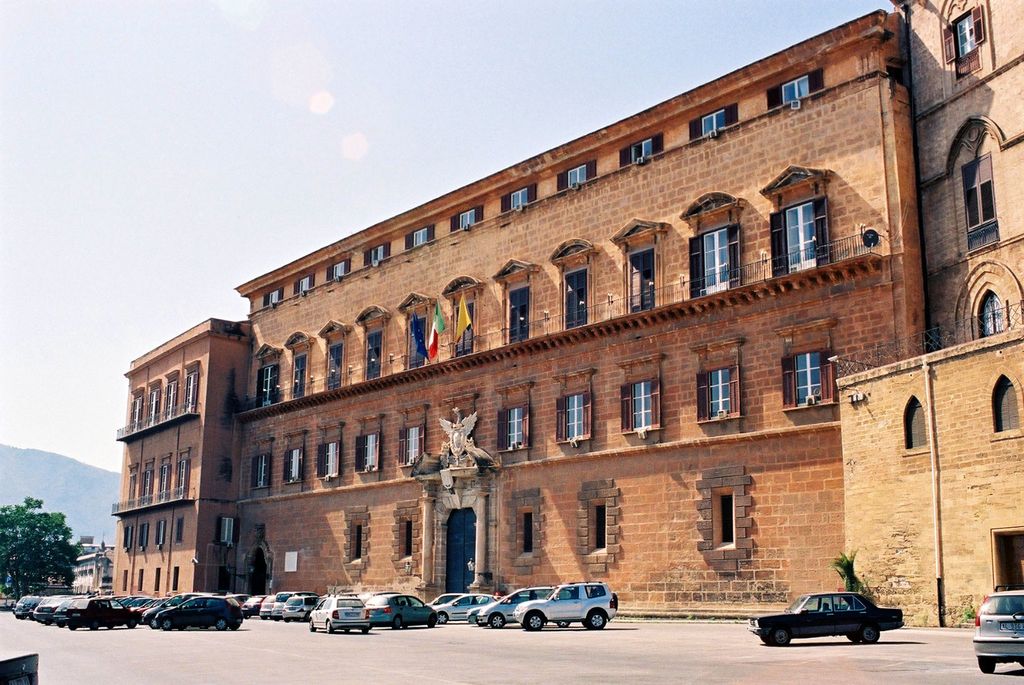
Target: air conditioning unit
x=722, y=413
x=374, y=262
x=639, y=161
x=518, y=208
x=713, y=133
x=574, y=186
x=794, y=104
x=303, y=293
x=337, y=278
x=273, y=305
x=811, y=400
x=642, y=433
x=327, y=478
x=575, y=441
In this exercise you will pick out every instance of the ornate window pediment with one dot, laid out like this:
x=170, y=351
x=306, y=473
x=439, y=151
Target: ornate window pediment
x=460, y=284
x=334, y=328
x=372, y=314
x=414, y=301
x=513, y=268
x=712, y=208
x=795, y=177
x=268, y=352
x=296, y=340
x=573, y=249
x=639, y=231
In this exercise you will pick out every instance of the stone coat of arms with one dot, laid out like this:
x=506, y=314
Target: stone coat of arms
x=460, y=451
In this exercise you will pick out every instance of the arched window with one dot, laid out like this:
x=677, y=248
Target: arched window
x=990, y=318
x=1004, y=406
x=914, y=434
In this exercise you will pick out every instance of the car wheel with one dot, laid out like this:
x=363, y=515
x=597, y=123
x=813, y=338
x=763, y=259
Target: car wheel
x=154, y=624
x=312, y=627
x=366, y=629
x=497, y=620
x=95, y=625
x=562, y=624
x=72, y=627
x=166, y=624
x=431, y=621
x=853, y=637
x=780, y=637
x=533, y=621
x=870, y=634
x=987, y=664
x=397, y=623
x=221, y=624
x=131, y=624
x=596, y=620
x=329, y=627
x=442, y=617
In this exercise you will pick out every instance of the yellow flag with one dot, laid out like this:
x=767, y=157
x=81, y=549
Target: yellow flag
x=464, y=321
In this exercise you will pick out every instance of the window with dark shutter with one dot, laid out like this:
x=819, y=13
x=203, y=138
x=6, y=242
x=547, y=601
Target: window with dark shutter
x=502, y=424
x=788, y=382
x=828, y=377
x=321, y=460
x=360, y=456
x=1004, y=406
x=407, y=538
x=626, y=407
x=979, y=202
x=560, y=419
x=600, y=526
x=824, y=255
x=914, y=433
x=703, y=411
x=527, y=532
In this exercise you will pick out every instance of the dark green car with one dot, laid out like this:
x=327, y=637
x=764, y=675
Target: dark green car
x=400, y=611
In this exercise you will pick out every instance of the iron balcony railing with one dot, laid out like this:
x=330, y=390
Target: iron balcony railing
x=169, y=414
x=580, y=315
x=162, y=497
x=983, y=235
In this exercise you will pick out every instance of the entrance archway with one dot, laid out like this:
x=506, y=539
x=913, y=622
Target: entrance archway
x=258, y=575
x=460, y=549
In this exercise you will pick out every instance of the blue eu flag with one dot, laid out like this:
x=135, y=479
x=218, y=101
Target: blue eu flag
x=418, y=335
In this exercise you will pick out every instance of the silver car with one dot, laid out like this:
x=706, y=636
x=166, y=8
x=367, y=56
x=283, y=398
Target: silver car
x=456, y=609
x=499, y=612
x=999, y=634
x=343, y=613
x=298, y=607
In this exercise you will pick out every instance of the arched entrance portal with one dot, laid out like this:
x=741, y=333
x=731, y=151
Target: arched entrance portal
x=258, y=574
x=460, y=550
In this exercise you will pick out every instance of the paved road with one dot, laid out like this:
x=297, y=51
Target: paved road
x=268, y=652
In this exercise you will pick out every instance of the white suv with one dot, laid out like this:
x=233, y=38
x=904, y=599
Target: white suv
x=1000, y=629
x=592, y=604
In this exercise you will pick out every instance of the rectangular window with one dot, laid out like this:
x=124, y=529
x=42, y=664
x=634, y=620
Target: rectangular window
x=576, y=298
x=807, y=378
x=410, y=444
x=128, y=537
x=336, y=271
x=800, y=237
x=266, y=385
x=467, y=219
x=179, y=529
x=293, y=465
x=174, y=579
x=514, y=428
x=165, y=477
x=132, y=485
x=718, y=392
x=142, y=575
x=577, y=176
x=137, y=405
x=143, y=535
x=519, y=198
x=171, y=397
x=712, y=122
x=147, y=481
x=407, y=538
x=184, y=470
x=375, y=255
x=273, y=297
x=966, y=41
x=124, y=581
x=421, y=236
x=519, y=314
x=725, y=520
x=332, y=459
x=796, y=89
x=575, y=416
x=226, y=534
x=161, y=532
x=641, y=280
x=979, y=202
x=600, y=527
x=716, y=261
x=464, y=345
x=368, y=452
x=154, y=404
x=643, y=407
x=156, y=581
x=191, y=391
x=374, y=345
x=416, y=323
x=641, y=151
x=303, y=285
x=261, y=471
x=334, y=356
x=527, y=532
x=299, y=376
x=640, y=402
x=357, y=542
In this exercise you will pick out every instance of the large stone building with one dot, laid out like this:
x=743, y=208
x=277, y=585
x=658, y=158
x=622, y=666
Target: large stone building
x=647, y=393
x=934, y=453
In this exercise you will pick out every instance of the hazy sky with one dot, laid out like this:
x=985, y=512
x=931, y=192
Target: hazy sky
x=154, y=155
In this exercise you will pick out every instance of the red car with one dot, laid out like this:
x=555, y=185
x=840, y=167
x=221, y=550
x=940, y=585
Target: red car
x=95, y=612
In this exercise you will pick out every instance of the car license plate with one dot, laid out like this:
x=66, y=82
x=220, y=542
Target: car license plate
x=351, y=614
x=1012, y=626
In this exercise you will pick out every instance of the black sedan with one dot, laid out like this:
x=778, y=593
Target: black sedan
x=823, y=614
x=202, y=612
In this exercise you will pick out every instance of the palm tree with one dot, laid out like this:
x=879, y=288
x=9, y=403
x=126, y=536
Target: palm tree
x=843, y=564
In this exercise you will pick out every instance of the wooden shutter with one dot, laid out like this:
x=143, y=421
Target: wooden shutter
x=821, y=231
x=1007, y=417
x=656, y=403
x=531, y=192
x=815, y=81
x=732, y=114
x=403, y=445
x=979, y=25
x=360, y=452
x=312, y=279
x=506, y=202
x=378, y=454
x=330, y=274
x=270, y=468
x=266, y=299
x=295, y=287
x=733, y=234
x=695, y=128
x=591, y=169
x=788, y=382
x=560, y=419
x=657, y=143
x=626, y=406
x=703, y=413
x=348, y=264
x=734, y=390
x=586, y=414
x=409, y=239
x=526, y=425
x=235, y=531
x=478, y=214
x=828, y=376
x=216, y=529
x=253, y=482
x=780, y=256
x=367, y=257
x=624, y=156
x=986, y=196
x=502, y=424
x=301, y=458
x=423, y=438
x=774, y=96
x=430, y=232
x=387, y=249
x=321, y=460
x=948, y=45
x=696, y=266
x=455, y=223
x=563, y=180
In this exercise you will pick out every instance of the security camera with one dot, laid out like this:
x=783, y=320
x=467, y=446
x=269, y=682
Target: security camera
x=195, y=560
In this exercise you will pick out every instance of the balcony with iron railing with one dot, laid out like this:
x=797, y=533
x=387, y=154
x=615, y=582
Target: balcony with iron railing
x=178, y=494
x=168, y=417
x=586, y=315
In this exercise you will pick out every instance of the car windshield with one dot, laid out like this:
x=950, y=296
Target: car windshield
x=282, y=596
x=1005, y=605
x=378, y=600
x=792, y=608
x=349, y=603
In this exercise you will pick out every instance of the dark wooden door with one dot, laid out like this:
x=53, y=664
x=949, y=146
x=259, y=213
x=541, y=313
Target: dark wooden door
x=258, y=577
x=460, y=548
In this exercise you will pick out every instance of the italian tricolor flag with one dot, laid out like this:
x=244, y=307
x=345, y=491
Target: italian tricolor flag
x=435, y=332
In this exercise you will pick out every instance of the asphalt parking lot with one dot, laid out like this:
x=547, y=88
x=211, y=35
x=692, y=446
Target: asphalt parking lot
x=625, y=652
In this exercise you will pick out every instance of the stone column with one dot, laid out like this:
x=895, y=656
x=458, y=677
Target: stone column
x=427, y=551
x=482, y=522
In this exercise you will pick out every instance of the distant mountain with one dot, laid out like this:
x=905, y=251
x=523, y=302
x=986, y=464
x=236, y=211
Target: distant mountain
x=83, y=493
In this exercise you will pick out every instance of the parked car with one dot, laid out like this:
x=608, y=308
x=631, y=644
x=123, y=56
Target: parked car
x=43, y=613
x=298, y=607
x=267, y=607
x=94, y=612
x=25, y=606
x=60, y=614
x=592, y=604
x=400, y=611
x=502, y=610
x=827, y=613
x=334, y=613
x=999, y=629
x=277, y=613
x=444, y=599
x=202, y=612
x=457, y=608
x=251, y=607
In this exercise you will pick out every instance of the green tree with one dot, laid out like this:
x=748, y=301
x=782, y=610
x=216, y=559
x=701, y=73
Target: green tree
x=35, y=548
x=843, y=565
